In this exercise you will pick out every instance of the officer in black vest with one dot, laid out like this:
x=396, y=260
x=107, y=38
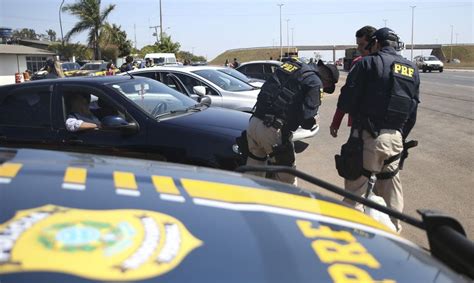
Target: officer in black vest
x=289, y=99
x=382, y=94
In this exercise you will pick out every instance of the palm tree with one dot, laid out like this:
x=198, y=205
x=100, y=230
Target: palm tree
x=91, y=18
x=113, y=35
x=51, y=35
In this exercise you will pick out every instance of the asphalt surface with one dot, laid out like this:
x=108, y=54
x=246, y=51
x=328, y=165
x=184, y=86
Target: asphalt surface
x=438, y=174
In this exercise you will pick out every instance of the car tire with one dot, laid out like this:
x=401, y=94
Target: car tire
x=440, y=70
x=424, y=69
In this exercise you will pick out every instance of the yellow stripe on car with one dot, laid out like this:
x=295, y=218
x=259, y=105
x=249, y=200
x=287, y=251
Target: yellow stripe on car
x=242, y=194
x=75, y=178
x=8, y=171
x=125, y=183
x=167, y=188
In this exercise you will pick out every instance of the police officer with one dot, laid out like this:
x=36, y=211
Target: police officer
x=287, y=100
x=382, y=94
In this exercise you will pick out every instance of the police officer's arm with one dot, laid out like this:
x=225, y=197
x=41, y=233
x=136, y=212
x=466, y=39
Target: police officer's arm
x=412, y=118
x=352, y=89
x=312, y=99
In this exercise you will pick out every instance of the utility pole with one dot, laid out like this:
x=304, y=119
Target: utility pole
x=292, y=37
x=156, y=33
x=281, y=46
x=451, y=44
x=385, y=22
x=135, y=34
x=412, y=28
x=288, y=36
x=61, y=23
x=457, y=38
x=161, y=23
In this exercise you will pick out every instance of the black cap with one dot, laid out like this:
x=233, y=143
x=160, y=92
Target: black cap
x=332, y=68
x=385, y=34
x=334, y=74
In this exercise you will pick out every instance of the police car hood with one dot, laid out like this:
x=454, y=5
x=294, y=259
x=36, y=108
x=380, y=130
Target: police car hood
x=69, y=217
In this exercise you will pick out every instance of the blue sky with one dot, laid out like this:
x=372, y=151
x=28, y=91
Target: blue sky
x=210, y=27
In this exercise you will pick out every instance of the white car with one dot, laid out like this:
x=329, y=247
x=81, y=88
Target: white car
x=224, y=90
x=428, y=63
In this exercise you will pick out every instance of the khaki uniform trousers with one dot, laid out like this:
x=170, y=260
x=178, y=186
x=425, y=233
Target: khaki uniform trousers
x=261, y=139
x=386, y=145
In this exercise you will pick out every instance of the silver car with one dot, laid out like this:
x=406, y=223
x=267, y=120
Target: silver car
x=223, y=89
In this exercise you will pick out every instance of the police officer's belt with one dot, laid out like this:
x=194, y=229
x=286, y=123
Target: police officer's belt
x=270, y=120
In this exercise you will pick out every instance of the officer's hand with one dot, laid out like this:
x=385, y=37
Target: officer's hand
x=333, y=131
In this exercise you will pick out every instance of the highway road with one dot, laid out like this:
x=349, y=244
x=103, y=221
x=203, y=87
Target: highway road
x=438, y=174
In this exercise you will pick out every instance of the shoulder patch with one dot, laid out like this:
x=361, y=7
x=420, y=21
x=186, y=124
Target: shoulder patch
x=403, y=70
x=289, y=68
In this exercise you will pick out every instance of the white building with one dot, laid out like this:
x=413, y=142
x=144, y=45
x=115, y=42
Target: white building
x=19, y=58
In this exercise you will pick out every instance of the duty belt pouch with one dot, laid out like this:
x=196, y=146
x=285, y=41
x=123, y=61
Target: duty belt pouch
x=284, y=154
x=349, y=163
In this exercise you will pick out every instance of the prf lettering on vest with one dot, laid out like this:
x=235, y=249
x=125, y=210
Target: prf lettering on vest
x=341, y=258
x=289, y=68
x=404, y=70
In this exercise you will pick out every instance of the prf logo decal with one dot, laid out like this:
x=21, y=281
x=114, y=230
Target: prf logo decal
x=289, y=67
x=403, y=70
x=96, y=244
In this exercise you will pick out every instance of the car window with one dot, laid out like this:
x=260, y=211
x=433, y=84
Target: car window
x=223, y=80
x=190, y=82
x=235, y=74
x=26, y=107
x=254, y=69
x=100, y=106
x=153, y=97
x=269, y=68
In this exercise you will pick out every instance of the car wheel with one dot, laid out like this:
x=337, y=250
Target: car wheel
x=424, y=69
x=440, y=70
x=429, y=71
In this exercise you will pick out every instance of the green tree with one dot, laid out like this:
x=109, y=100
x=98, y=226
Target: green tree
x=167, y=45
x=25, y=33
x=51, y=35
x=91, y=19
x=68, y=50
x=113, y=35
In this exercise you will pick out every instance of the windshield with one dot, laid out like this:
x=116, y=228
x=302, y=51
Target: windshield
x=224, y=80
x=153, y=97
x=90, y=66
x=235, y=74
x=430, y=58
x=70, y=66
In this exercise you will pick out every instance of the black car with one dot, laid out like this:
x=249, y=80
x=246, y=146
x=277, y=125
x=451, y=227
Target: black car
x=262, y=70
x=140, y=118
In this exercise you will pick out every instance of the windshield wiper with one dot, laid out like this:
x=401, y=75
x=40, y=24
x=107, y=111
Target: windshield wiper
x=195, y=107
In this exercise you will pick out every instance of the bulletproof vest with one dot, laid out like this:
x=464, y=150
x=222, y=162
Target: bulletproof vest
x=391, y=92
x=282, y=94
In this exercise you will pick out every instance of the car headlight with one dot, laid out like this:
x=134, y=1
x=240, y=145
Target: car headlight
x=235, y=149
x=441, y=64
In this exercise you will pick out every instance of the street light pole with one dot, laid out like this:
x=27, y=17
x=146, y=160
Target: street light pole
x=457, y=38
x=161, y=24
x=412, y=28
x=288, y=36
x=61, y=23
x=451, y=43
x=281, y=46
x=292, y=37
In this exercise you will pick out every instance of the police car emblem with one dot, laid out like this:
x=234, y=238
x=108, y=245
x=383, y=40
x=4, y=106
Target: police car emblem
x=122, y=244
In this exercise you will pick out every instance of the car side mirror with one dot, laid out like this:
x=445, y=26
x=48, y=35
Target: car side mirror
x=119, y=123
x=199, y=90
x=205, y=100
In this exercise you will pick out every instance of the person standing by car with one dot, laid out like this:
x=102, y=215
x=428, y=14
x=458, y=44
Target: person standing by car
x=235, y=64
x=110, y=69
x=363, y=36
x=289, y=99
x=128, y=65
x=382, y=95
x=80, y=117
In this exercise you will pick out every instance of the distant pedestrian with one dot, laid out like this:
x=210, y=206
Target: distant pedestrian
x=54, y=69
x=128, y=65
x=236, y=63
x=111, y=69
x=226, y=64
